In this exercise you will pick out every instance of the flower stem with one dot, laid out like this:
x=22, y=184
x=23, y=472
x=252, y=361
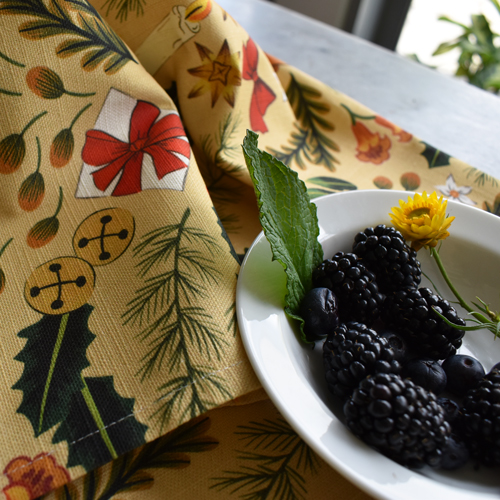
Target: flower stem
x=33, y=120
x=76, y=94
x=39, y=154
x=467, y=307
x=2, y=250
x=11, y=61
x=10, y=92
x=354, y=115
x=59, y=205
x=80, y=114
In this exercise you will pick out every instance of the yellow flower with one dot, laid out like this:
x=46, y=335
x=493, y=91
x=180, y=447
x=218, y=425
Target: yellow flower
x=422, y=220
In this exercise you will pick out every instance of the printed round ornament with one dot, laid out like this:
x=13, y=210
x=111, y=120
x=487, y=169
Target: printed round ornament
x=60, y=285
x=103, y=236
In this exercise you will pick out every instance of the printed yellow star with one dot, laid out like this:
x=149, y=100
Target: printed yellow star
x=219, y=74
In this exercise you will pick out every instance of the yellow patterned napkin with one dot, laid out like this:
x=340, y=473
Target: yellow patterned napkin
x=125, y=205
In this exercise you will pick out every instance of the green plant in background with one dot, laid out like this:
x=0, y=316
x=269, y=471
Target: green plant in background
x=479, y=60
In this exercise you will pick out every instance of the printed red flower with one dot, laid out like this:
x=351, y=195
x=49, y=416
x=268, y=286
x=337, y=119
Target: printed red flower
x=164, y=140
x=262, y=95
x=398, y=131
x=29, y=479
x=371, y=147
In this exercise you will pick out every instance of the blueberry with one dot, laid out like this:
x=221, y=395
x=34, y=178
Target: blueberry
x=319, y=310
x=455, y=454
x=463, y=372
x=398, y=344
x=426, y=373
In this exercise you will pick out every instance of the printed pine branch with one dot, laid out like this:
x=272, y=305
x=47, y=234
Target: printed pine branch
x=218, y=172
x=176, y=274
x=275, y=435
x=278, y=436
x=130, y=471
x=276, y=466
x=194, y=394
x=228, y=143
x=293, y=153
x=480, y=178
x=310, y=142
x=168, y=339
x=232, y=325
x=123, y=7
x=158, y=246
x=271, y=477
x=216, y=168
x=89, y=33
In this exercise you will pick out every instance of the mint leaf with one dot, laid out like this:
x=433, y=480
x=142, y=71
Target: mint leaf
x=288, y=219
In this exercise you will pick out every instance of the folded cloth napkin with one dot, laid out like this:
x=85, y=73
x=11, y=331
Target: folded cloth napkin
x=125, y=209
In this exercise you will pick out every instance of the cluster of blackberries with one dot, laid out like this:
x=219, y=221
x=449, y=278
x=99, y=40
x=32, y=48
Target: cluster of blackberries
x=390, y=357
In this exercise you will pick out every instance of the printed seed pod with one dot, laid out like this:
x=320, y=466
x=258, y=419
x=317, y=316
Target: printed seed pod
x=63, y=144
x=47, y=84
x=12, y=152
x=62, y=148
x=410, y=181
x=382, y=182
x=13, y=149
x=44, y=231
x=32, y=190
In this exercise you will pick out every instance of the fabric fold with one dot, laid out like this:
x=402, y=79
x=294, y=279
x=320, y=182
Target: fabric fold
x=125, y=210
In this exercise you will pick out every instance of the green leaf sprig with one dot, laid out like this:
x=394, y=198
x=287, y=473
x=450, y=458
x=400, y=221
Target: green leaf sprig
x=289, y=221
x=483, y=317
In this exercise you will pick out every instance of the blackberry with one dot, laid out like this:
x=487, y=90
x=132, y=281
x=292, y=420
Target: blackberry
x=355, y=287
x=384, y=251
x=352, y=352
x=398, y=418
x=480, y=420
x=411, y=313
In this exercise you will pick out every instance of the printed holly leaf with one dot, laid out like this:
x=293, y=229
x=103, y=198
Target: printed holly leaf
x=289, y=221
x=328, y=185
x=100, y=425
x=54, y=356
x=435, y=157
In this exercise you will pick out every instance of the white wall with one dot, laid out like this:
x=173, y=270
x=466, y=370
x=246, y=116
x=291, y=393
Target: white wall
x=422, y=32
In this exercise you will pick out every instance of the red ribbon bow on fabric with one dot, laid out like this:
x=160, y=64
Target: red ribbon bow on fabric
x=161, y=139
x=262, y=95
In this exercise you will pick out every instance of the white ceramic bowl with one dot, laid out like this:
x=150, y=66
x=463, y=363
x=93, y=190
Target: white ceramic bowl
x=292, y=373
